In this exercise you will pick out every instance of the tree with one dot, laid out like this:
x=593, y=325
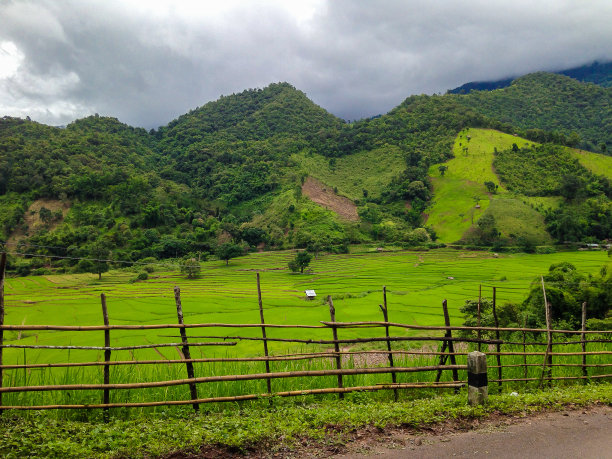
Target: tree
x=100, y=253
x=228, y=250
x=191, y=268
x=301, y=261
x=442, y=169
x=508, y=315
x=566, y=290
x=570, y=184
x=45, y=215
x=491, y=187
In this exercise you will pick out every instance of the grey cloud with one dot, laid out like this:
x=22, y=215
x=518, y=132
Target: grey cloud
x=354, y=58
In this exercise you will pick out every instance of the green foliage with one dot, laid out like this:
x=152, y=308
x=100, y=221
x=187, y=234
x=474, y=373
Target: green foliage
x=172, y=192
x=260, y=427
x=227, y=251
x=190, y=267
x=582, y=221
x=566, y=290
x=301, y=261
x=491, y=187
x=509, y=315
x=547, y=170
x=485, y=232
x=573, y=113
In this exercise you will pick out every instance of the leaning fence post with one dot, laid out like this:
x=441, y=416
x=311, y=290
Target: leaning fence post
x=478, y=391
x=583, y=339
x=386, y=317
x=451, y=348
x=332, y=314
x=2, y=271
x=498, y=345
x=263, y=333
x=107, y=355
x=186, y=354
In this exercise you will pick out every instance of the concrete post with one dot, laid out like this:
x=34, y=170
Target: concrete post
x=478, y=391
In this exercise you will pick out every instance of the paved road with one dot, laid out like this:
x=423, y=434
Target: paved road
x=569, y=434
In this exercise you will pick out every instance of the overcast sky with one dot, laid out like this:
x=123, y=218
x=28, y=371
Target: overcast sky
x=146, y=62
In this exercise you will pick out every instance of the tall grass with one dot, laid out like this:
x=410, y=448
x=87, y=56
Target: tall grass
x=513, y=369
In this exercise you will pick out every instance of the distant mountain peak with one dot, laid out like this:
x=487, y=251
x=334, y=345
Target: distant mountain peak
x=597, y=73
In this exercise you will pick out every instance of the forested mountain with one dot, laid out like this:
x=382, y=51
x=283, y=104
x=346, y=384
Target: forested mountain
x=597, y=73
x=233, y=172
x=554, y=103
x=231, y=149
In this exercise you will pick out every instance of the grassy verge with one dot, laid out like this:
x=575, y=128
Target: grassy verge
x=265, y=428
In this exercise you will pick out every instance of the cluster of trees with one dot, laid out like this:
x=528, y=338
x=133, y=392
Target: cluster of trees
x=573, y=113
x=566, y=290
x=548, y=170
x=220, y=173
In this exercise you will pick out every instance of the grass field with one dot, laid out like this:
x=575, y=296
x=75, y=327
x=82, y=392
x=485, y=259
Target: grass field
x=595, y=162
x=417, y=282
x=369, y=170
x=456, y=194
x=462, y=187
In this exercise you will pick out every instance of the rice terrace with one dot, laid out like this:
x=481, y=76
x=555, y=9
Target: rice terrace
x=263, y=276
x=416, y=283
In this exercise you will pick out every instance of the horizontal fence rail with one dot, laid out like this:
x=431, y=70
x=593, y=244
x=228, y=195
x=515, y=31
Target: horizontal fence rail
x=441, y=354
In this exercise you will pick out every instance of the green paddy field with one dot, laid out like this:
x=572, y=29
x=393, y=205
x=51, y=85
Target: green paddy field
x=417, y=283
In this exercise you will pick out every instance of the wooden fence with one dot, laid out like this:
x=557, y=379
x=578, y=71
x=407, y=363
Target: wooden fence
x=442, y=336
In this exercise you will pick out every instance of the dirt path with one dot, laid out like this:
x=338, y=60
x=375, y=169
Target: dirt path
x=325, y=196
x=567, y=434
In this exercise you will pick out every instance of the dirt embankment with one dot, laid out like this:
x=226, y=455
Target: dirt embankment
x=325, y=196
x=32, y=219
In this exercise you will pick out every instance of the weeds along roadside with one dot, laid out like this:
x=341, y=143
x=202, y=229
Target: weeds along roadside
x=513, y=368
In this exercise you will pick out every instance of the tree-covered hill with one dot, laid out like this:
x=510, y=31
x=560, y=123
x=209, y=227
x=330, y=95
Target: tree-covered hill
x=581, y=112
x=230, y=150
x=598, y=73
x=233, y=171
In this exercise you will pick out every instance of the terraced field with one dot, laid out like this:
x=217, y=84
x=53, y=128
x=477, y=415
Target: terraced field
x=460, y=197
x=417, y=282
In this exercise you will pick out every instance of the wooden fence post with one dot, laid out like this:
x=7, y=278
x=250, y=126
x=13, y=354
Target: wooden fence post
x=263, y=333
x=498, y=345
x=478, y=390
x=583, y=339
x=547, y=354
x=479, y=332
x=332, y=314
x=2, y=273
x=385, y=312
x=525, y=345
x=448, y=344
x=107, y=355
x=186, y=353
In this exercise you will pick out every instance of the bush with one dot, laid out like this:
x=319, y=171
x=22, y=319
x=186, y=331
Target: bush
x=191, y=268
x=142, y=276
x=544, y=249
x=148, y=264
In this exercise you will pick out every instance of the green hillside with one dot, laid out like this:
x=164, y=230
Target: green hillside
x=530, y=179
x=597, y=73
x=580, y=112
x=268, y=168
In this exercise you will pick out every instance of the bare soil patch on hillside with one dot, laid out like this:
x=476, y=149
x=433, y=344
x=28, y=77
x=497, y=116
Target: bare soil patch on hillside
x=32, y=217
x=324, y=196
